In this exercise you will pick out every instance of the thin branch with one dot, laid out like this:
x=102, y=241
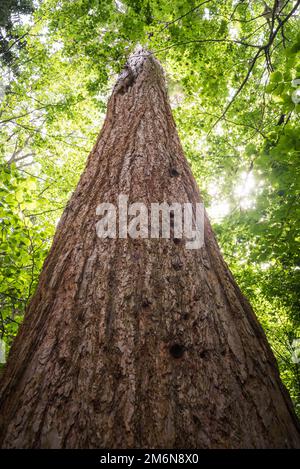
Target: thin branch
x=262, y=49
x=23, y=157
x=182, y=16
x=272, y=36
x=13, y=118
x=33, y=175
x=235, y=8
x=240, y=88
x=200, y=41
x=46, y=211
x=13, y=44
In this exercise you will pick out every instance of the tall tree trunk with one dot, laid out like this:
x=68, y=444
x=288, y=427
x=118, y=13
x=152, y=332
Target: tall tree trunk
x=140, y=342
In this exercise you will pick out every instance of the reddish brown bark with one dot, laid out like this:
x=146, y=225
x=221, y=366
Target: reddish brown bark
x=140, y=343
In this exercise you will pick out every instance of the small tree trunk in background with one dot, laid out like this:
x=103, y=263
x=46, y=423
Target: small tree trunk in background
x=140, y=343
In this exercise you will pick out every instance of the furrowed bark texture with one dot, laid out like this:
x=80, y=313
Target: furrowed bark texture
x=140, y=343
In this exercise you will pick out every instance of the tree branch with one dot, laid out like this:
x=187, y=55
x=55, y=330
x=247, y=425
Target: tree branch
x=262, y=49
x=183, y=16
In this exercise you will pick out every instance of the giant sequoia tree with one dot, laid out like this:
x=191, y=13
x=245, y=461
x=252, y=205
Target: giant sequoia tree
x=140, y=342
